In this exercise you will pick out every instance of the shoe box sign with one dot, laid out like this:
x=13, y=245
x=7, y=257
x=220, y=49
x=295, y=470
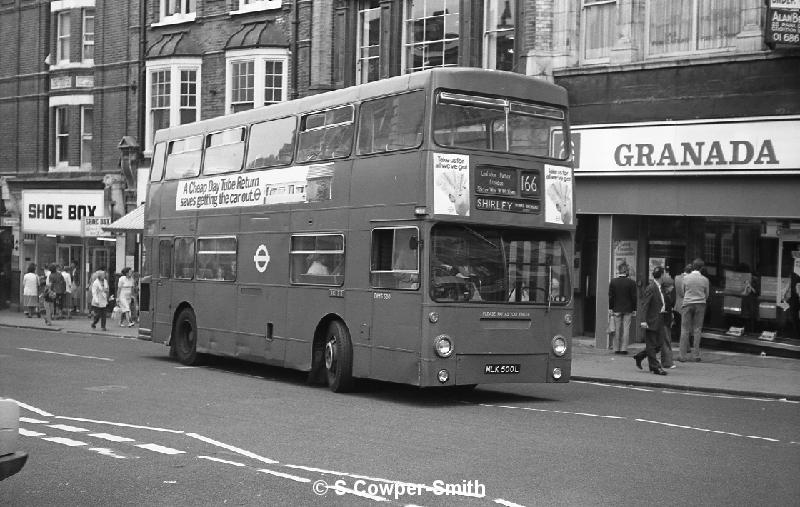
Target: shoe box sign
x=60, y=212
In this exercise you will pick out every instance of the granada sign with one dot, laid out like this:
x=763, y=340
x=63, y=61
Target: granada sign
x=757, y=146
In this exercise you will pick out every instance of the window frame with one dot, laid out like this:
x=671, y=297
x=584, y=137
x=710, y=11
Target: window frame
x=489, y=58
x=184, y=153
x=165, y=246
x=586, y=5
x=87, y=37
x=694, y=33
x=185, y=13
x=63, y=37
x=234, y=252
x=246, y=6
x=362, y=124
x=86, y=137
x=173, y=66
x=192, y=243
x=362, y=62
x=248, y=166
x=336, y=279
x=259, y=58
x=61, y=121
x=207, y=146
x=395, y=274
x=323, y=155
x=407, y=44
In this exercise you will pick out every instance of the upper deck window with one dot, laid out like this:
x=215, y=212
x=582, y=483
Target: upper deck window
x=326, y=135
x=271, y=143
x=494, y=124
x=157, y=170
x=183, y=160
x=224, y=151
x=391, y=123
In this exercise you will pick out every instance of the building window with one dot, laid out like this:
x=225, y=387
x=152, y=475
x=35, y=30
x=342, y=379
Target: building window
x=599, y=26
x=173, y=95
x=498, y=34
x=88, y=34
x=256, y=77
x=87, y=125
x=431, y=34
x=178, y=11
x=257, y=5
x=369, y=41
x=679, y=26
x=62, y=136
x=62, y=49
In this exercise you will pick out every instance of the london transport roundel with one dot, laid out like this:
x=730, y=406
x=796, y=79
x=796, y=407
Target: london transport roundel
x=261, y=258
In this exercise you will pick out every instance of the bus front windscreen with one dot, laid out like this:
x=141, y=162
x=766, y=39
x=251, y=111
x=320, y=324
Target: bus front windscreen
x=474, y=264
x=495, y=124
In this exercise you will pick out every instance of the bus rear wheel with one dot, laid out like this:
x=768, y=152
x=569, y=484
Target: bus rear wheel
x=184, y=338
x=338, y=358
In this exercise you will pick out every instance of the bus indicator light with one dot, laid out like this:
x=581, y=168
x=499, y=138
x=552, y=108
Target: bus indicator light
x=556, y=373
x=443, y=346
x=433, y=317
x=444, y=376
x=559, y=345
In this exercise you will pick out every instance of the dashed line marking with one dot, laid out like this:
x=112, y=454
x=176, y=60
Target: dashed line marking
x=106, y=452
x=29, y=433
x=120, y=425
x=718, y=432
x=237, y=450
x=160, y=448
x=111, y=438
x=220, y=460
x=65, y=441
x=66, y=427
x=295, y=478
x=507, y=503
x=32, y=421
x=66, y=354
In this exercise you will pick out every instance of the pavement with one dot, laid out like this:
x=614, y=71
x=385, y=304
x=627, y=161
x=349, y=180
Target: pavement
x=720, y=371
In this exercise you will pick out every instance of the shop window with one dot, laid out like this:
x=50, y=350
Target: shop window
x=63, y=37
x=184, y=258
x=317, y=259
x=368, y=58
x=183, y=158
x=224, y=151
x=391, y=123
x=326, y=135
x=395, y=258
x=271, y=143
x=431, y=34
x=165, y=258
x=499, y=34
x=216, y=258
x=599, y=25
x=88, y=35
x=680, y=26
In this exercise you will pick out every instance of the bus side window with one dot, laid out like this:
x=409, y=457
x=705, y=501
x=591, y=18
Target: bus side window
x=157, y=169
x=317, y=259
x=224, y=151
x=395, y=258
x=271, y=143
x=183, y=159
x=391, y=123
x=326, y=135
x=216, y=258
x=165, y=258
x=184, y=258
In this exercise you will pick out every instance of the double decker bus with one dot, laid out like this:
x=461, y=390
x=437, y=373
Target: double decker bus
x=417, y=229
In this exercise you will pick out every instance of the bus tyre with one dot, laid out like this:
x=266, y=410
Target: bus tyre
x=184, y=338
x=338, y=358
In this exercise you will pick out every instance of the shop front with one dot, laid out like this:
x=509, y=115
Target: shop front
x=662, y=194
x=65, y=227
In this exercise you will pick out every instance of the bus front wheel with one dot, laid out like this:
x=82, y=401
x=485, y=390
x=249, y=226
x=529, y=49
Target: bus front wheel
x=338, y=358
x=184, y=338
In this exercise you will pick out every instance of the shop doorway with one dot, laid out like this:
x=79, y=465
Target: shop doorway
x=66, y=255
x=585, y=273
x=6, y=272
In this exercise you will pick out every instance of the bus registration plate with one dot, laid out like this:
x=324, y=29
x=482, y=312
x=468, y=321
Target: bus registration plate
x=501, y=369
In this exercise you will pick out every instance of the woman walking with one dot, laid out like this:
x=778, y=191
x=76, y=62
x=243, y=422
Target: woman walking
x=124, y=294
x=46, y=296
x=30, y=291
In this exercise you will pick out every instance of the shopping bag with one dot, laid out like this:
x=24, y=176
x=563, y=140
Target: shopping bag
x=115, y=312
x=612, y=324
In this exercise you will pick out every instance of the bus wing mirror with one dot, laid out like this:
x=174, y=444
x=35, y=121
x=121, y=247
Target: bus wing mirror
x=414, y=243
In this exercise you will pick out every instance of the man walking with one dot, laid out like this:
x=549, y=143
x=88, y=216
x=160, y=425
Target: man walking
x=622, y=306
x=99, y=291
x=655, y=311
x=695, y=292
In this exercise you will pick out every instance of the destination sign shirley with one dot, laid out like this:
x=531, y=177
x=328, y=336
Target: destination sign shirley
x=507, y=189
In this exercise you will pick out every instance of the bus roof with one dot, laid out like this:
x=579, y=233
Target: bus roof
x=466, y=79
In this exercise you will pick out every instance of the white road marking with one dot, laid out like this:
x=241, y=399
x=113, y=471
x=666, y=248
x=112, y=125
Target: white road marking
x=718, y=432
x=689, y=393
x=32, y=421
x=362, y=494
x=185, y=367
x=67, y=354
x=66, y=427
x=220, y=460
x=121, y=425
x=232, y=448
x=160, y=448
x=29, y=433
x=507, y=503
x=295, y=478
x=106, y=452
x=66, y=441
x=111, y=438
x=33, y=409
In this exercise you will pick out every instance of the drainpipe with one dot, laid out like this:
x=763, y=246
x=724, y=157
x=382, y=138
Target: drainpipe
x=141, y=97
x=295, y=46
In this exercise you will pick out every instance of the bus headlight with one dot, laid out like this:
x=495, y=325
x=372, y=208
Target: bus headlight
x=443, y=345
x=559, y=344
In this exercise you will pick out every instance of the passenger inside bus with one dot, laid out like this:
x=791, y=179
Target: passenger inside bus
x=316, y=266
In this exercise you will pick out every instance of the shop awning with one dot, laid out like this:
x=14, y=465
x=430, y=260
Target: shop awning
x=132, y=222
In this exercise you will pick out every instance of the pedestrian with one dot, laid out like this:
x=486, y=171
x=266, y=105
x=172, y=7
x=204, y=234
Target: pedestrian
x=124, y=295
x=668, y=291
x=30, y=291
x=655, y=308
x=135, y=297
x=99, y=299
x=59, y=287
x=89, y=289
x=621, y=307
x=46, y=296
x=676, y=313
x=695, y=293
x=792, y=294
x=66, y=304
x=76, y=285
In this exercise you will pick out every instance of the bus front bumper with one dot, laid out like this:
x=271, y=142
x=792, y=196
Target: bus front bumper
x=467, y=369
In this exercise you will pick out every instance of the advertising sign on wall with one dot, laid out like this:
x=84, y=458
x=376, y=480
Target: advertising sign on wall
x=625, y=257
x=783, y=23
x=59, y=211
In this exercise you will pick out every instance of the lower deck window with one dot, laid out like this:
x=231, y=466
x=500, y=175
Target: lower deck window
x=216, y=258
x=395, y=258
x=317, y=259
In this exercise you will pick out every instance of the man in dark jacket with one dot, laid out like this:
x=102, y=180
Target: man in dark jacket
x=654, y=306
x=622, y=306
